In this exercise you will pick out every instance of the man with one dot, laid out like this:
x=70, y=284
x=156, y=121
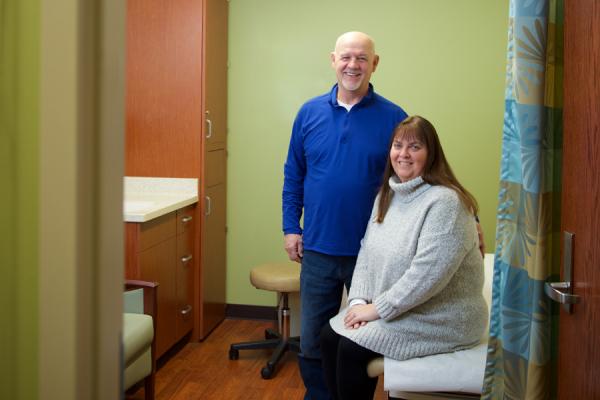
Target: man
x=335, y=162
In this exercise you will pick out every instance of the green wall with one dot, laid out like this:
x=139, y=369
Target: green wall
x=444, y=60
x=19, y=94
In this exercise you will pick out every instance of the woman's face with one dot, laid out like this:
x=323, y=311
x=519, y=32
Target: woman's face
x=408, y=157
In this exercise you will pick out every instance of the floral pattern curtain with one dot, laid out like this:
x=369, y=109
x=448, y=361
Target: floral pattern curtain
x=520, y=362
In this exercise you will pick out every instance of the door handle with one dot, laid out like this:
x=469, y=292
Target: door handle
x=562, y=292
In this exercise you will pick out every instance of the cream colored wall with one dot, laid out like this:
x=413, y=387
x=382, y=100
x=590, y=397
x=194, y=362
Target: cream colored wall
x=444, y=60
x=58, y=187
x=81, y=180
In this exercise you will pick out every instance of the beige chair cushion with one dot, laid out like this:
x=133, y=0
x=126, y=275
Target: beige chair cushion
x=140, y=368
x=277, y=277
x=137, y=336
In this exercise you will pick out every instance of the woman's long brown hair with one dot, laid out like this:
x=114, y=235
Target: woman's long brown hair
x=437, y=171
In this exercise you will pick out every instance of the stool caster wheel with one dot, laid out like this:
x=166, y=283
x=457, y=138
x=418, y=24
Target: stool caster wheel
x=266, y=372
x=234, y=354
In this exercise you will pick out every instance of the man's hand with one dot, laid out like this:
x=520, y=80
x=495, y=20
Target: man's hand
x=359, y=315
x=293, y=246
x=481, y=241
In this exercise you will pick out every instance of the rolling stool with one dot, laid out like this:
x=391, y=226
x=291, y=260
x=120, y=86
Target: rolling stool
x=283, y=278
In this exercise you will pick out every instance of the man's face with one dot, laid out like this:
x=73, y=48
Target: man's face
x=354, y=61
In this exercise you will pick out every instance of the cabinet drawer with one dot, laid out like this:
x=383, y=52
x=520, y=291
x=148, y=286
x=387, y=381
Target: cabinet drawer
x=157, y=230
x=185, y=219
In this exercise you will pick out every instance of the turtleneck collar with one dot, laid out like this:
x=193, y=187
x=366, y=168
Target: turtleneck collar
x=408, y=191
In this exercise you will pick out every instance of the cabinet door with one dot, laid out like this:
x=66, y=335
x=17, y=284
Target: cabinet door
x=156, y=264
x=213, y=259
x=163, y=88
x=215, y=74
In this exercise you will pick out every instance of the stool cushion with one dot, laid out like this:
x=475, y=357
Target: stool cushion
x=277, y=277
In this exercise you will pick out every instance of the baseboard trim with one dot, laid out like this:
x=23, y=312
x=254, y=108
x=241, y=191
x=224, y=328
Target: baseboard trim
x=244, y=311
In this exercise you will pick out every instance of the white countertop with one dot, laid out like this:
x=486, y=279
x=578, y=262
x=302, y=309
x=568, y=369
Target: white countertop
x=149, y=198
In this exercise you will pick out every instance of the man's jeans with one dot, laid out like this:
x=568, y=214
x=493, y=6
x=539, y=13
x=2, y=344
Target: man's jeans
x=322, y=279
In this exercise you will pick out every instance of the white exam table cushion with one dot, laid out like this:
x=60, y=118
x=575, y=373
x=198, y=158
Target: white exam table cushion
x=460, y=371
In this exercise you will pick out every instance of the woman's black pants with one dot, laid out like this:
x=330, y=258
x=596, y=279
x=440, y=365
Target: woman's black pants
x=345, y=367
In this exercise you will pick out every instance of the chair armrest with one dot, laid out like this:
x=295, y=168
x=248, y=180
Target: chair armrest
x=150, y=295
x=135, y=284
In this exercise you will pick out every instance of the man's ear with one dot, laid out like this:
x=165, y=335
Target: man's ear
x=332, y=56
x=375, y=62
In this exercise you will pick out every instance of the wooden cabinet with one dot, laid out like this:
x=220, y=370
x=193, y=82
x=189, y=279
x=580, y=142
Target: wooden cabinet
x=161, y=250
x=176, y=124
x=215, y=74
x=213, y=256
x=214, y=172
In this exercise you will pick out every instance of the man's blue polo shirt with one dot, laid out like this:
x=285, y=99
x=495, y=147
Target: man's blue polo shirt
x=334, y=168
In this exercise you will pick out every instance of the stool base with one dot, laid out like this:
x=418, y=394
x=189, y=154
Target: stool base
x=274, y=341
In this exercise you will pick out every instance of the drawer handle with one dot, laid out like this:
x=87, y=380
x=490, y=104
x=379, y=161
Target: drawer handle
x=208, y=210
x=186, y=219
x=186, y=310
x=208, y=125
x=186, y=259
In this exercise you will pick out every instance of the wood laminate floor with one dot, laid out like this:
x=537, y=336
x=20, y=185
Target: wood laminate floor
x=203, y=370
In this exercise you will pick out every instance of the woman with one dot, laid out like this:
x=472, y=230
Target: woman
x=416, y=288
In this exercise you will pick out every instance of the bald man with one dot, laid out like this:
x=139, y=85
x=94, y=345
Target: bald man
x=336, y=157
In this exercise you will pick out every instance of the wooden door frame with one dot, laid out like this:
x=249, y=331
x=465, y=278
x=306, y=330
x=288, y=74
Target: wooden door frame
x=578, y=358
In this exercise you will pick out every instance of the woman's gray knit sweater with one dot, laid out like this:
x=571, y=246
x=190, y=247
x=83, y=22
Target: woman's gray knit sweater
x=422, y=269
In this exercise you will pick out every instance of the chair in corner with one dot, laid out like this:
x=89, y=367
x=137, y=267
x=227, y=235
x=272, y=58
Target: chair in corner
x=283, y=278
x=139, y=327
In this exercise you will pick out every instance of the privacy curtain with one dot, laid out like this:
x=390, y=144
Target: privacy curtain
x=520, y=353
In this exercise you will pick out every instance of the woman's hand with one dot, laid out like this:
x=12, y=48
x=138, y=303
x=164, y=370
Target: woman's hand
x=359, y=315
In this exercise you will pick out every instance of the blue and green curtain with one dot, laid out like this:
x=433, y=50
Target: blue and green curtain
x=521, y=352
